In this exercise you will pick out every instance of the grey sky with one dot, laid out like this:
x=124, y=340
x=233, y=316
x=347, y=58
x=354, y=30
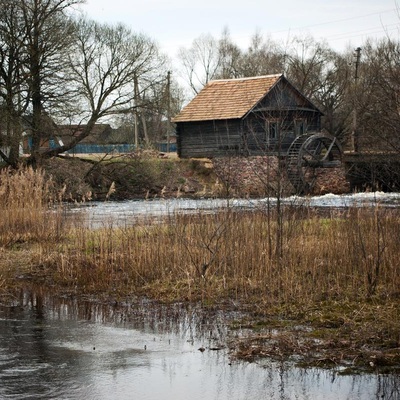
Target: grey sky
x=175, y=23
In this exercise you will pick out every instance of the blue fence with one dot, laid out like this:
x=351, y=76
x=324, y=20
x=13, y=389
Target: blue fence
x=163, y=147
x=82, y=148
x=116, y=148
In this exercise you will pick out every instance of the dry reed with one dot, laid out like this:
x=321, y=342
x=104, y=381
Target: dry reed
x=337, y=271
x=340, y=270
x=349, y=257
x=27, y=207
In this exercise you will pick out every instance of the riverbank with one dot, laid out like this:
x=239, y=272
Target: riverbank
x=351, y=336
x=141, y=175
x=318, y=291
x=151, y=174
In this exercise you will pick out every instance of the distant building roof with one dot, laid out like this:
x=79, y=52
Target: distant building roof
x=227, y=98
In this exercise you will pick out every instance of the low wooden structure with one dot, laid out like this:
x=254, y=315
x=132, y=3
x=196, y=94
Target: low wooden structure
x=247, y=116
x=373, y=170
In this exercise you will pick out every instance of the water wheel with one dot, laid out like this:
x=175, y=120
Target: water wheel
x=307, y=154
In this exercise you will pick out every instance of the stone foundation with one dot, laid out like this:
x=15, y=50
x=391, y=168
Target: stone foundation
x=259, y=177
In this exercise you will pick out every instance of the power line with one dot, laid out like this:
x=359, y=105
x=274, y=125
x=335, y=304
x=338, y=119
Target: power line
x=335, y=21
x=377, y=29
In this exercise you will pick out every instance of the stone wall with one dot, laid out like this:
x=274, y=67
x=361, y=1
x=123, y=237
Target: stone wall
x=259, y=176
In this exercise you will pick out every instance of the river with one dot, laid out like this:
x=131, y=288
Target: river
x=68, y=349
x=125, y=213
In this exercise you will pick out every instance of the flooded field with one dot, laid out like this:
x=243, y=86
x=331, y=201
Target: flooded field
x=63, y=349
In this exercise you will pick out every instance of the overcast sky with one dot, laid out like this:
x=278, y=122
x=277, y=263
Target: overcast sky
x=176, y=23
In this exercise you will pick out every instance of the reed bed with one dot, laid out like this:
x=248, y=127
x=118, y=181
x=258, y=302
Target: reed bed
x=272, y=255
x=350, y=256
x=338, y=273
x=28, y=207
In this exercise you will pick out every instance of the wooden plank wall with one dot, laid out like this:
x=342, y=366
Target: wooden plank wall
x=239, y=137
x=209, y=138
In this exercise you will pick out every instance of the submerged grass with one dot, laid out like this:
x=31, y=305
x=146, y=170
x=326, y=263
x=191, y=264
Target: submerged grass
x=337, y=276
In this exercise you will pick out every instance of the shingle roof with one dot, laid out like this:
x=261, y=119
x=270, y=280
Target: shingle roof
x=227, y=98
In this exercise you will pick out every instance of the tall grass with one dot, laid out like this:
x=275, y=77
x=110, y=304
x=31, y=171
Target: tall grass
x=339, y=270
x=353, y=256
x=26, y=198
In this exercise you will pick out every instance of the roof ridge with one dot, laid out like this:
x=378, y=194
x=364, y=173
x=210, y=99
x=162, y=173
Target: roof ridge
x=247, y=78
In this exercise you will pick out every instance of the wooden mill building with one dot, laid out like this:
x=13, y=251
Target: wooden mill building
x=246, y=116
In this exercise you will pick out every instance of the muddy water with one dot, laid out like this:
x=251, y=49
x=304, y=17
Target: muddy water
x=64, y=349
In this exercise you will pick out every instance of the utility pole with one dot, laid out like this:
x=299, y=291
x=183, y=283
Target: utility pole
x=358, y=56
x=136, y=111
x=355, y=143
x=168, y=90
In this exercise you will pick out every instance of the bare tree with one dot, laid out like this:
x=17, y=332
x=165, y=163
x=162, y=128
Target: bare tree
x=35, y=38
x=379, y=100
x=106, y=62
x=209, y=59
x=305, y=63
x=200, y=62
x=334, y=83
x=13, y=87
x=230, y=57
x=47, y=43
x=262, y=57
x=326, y=78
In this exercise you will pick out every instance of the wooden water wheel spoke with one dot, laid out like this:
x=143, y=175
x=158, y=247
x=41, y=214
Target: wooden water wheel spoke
x=309, y=160
x=313, y=154
x=328, y=152
x=306, y=154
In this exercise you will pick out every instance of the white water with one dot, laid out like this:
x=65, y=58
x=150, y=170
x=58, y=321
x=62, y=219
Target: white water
x=128, y=212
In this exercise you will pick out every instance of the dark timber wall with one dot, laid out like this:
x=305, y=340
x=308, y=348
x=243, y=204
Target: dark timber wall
x=209, y=138
x=249, y=136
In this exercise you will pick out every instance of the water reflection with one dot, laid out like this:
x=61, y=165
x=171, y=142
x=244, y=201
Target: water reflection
x=69, y=349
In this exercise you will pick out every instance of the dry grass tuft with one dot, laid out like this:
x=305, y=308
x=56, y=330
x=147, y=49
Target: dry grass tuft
x=26, y=198
x=352, y=257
